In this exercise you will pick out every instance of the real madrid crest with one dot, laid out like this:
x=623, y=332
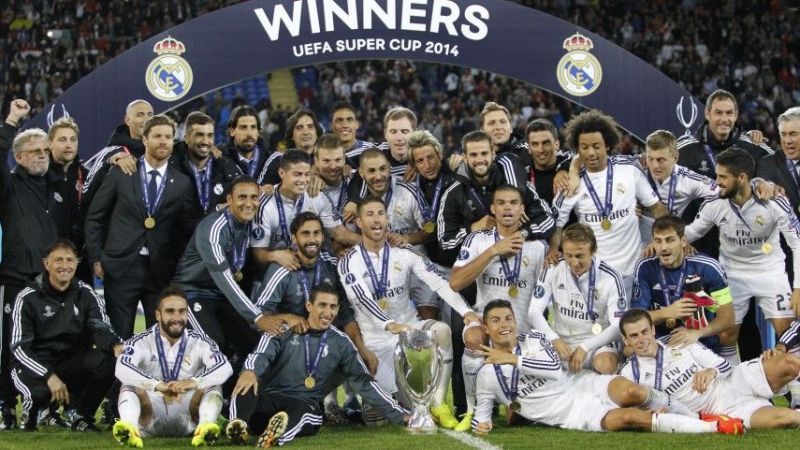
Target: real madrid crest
x=169, y=77
x=579, y=72
x=760, y=220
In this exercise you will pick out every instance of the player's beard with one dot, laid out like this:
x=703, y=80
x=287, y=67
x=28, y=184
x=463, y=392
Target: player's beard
x=731, y=192
x=169, y=329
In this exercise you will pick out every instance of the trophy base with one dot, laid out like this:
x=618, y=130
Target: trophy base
x=421, y=421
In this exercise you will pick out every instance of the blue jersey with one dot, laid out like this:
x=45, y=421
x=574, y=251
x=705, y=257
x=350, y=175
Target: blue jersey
x=702, y=272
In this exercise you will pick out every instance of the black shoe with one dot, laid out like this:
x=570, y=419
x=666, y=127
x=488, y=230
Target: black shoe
x=83, y=424
x=108, y=414
x=353, y=410
x=27, y=421
x=8, y=419
x=52, y=418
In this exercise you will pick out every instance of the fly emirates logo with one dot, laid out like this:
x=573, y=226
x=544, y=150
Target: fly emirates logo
x=318, y=16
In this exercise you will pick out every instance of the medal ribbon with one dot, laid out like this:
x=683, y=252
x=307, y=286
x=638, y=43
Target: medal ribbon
x=662, y=277
x=379, y=286
x=511, y=277
x=739, y=214
x=659, y=367
x=311, y=366
x=203, y=183
x=338, y=205
x=301, y=273
x=239, y=255
x=429, y=210
x=509, y=392
x=477, y=199
x=298, y=206
x=151, y=209
x=591, y=292
x=162, y=358
x=252, y=165
x=603, y=209
x=673, y=181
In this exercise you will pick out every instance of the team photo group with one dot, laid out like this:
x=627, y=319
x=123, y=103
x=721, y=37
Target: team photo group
x=569, y=285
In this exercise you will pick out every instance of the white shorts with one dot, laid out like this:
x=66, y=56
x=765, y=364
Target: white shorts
x=169, y=419
x=742, y=393
x=612, y=347
x=384, y=350
x=582, y=407
x=772, y=292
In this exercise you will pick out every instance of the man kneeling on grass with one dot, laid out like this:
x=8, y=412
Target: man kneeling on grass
x=171, y=379
x=525, y=374
x=286, y=377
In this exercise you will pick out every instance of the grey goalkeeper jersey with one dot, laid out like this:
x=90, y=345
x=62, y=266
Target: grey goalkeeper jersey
x=281, y=291
x=206, y=265
x=280, y=363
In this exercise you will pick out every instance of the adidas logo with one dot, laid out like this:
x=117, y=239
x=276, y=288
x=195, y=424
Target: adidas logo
x=723, y=220
x=561, y=286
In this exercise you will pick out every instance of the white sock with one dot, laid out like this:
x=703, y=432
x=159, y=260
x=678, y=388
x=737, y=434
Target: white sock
x=446, y=344
x=657, y=401
x=470, y=364
x=675, y=423
x=129, y=407
x=794, y=388
x=210, y=406
x=331, y=398
x=730, y=354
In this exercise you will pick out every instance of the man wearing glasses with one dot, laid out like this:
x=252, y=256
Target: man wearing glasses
x=32, y=213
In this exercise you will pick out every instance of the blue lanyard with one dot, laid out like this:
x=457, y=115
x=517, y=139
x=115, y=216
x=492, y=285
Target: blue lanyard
x=203, y=183
x=252, y=164
x=338, y=205
x=603, y=209
x=659, y=367
x=379, y=286
x=301, y=273
x=673, y=181
x=282, y=214
x=665, y=287
x=429, y=210
x=168, y=375
x=151, y=209
x=478, y=199
x=311, y=366
x=739, y=214
x=511, y=277
x=592, y=290
x=239, y=253
x=710, y=157
x=509, y=391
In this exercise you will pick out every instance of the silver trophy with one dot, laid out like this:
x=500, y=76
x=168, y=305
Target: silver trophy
x=418, y=364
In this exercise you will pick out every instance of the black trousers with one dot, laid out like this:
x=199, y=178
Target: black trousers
x=88, y=377
x=217, y=318
x=8, y=295
x=305, y=417
x=123, y=293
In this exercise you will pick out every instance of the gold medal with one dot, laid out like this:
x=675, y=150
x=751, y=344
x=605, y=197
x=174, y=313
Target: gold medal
x=596, y=329
x=766, y=248
x=428, y=227
x=383, y=303
x=515, y=406
x=513, y=290
x=149, y=223
x=238, y=276
x=310, y=382
x=605, y=224
x=671, y=322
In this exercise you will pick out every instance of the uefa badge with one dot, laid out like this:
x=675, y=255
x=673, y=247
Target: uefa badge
x=579, y=72
x=169, y=77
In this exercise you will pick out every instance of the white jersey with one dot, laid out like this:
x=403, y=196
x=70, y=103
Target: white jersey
x=493, y=283
x=748, y=236
x=677, y=374
x=546, y=393
x=372, y=312
x=621, y=245
x=139, y=365
x=688, y=186
x=568, y=294
x=271, y=235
